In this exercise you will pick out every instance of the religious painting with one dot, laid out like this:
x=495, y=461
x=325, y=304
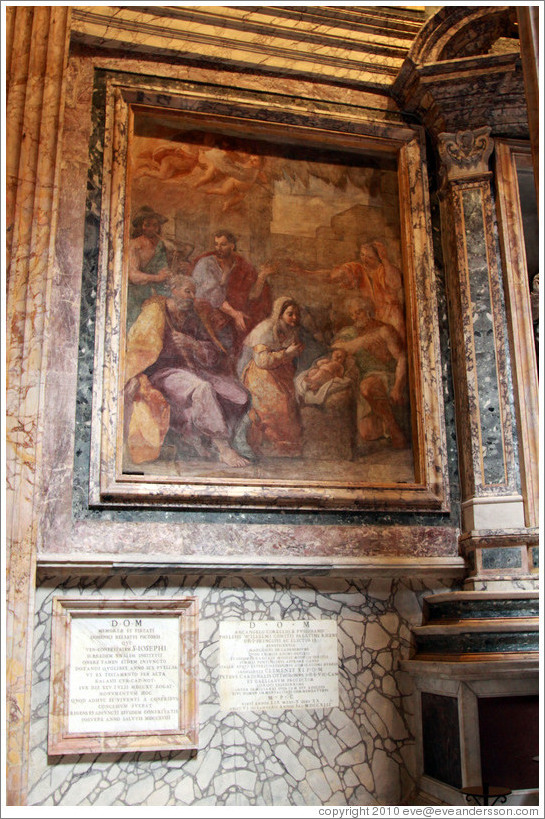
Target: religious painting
x=266, y=328
x=265, y=312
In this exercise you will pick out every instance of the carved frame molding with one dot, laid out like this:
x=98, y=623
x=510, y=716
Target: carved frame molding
x=110, y=488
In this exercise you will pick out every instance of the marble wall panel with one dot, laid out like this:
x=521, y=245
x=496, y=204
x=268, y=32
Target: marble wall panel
x=67, y=521
x=483, y=339
x=501, y=558
x=361, y=753
x=441, y=738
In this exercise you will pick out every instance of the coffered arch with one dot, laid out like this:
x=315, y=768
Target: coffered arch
x=464, y=31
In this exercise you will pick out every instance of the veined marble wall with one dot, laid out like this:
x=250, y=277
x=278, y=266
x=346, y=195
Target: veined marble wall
x=362, y=753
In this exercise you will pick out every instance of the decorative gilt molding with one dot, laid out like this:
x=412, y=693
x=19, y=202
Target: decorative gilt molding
x=465, y=154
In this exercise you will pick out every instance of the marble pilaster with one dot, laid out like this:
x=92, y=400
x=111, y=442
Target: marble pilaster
x=509, y=155
x=37, y=57
x=528, y=22
x=492, y=502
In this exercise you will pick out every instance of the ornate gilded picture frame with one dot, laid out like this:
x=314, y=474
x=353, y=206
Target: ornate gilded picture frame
x=267, y=332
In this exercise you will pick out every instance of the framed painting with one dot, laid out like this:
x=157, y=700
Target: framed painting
x=267, y=319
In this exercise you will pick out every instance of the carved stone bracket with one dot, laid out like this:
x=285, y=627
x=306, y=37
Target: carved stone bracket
x=465, y=154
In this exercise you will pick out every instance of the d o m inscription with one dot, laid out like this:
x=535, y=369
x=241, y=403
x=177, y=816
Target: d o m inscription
x=287, y=664
x=124, y=674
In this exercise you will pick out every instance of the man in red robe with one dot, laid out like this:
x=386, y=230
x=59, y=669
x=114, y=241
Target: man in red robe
x=234, y=294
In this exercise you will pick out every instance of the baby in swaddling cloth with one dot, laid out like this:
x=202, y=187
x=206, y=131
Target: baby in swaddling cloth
x=325, y=369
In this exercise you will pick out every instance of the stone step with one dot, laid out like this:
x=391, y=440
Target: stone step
x=466, y=626
x=473, y=605
x=496, y=635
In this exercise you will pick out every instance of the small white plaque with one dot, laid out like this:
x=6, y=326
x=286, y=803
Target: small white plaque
x=124, y=674
x=288, y=664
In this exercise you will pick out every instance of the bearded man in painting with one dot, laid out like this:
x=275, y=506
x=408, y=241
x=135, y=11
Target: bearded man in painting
x=177, y=378
x=148, y=261
x=235, y=296
x=382, y=361
x=377, y=279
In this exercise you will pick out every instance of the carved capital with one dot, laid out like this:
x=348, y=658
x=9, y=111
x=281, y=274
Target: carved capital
x=465, y=154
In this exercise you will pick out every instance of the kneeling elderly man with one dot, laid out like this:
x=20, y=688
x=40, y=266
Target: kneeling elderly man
x=177, y=377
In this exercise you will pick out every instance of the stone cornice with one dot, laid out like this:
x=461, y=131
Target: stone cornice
x=364, y=47
x=461, y=94
x=453, y=81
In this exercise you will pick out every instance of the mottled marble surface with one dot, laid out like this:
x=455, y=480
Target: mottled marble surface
x=53, y=100
x=361, y=753
x=485, y=411
x=68, y=523
x=353, y=45
x=501, y=558
x=36, y=52
x=482, y=322
x=520, y=311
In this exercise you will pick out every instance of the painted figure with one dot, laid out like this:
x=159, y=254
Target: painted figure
x=177, y=378
x=382, y=361
x=270, y=350
x=235, y=295
x=379, y=280
x=325, y=369
x=148, y=261
x=233, y=172
x=167, y=162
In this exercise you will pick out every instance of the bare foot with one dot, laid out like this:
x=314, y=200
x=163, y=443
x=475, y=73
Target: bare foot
x=229, y=456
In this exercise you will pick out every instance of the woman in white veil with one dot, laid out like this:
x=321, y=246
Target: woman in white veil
x=267, y=369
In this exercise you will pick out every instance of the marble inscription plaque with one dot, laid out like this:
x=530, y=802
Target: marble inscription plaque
x=286, y=664
x=123, y=675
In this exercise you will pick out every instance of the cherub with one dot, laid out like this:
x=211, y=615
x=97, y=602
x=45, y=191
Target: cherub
x=167, y=162
x=235, y=174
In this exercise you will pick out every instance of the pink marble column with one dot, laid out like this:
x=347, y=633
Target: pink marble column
x=37, y=49
x=528, y=20
x=519, y=317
